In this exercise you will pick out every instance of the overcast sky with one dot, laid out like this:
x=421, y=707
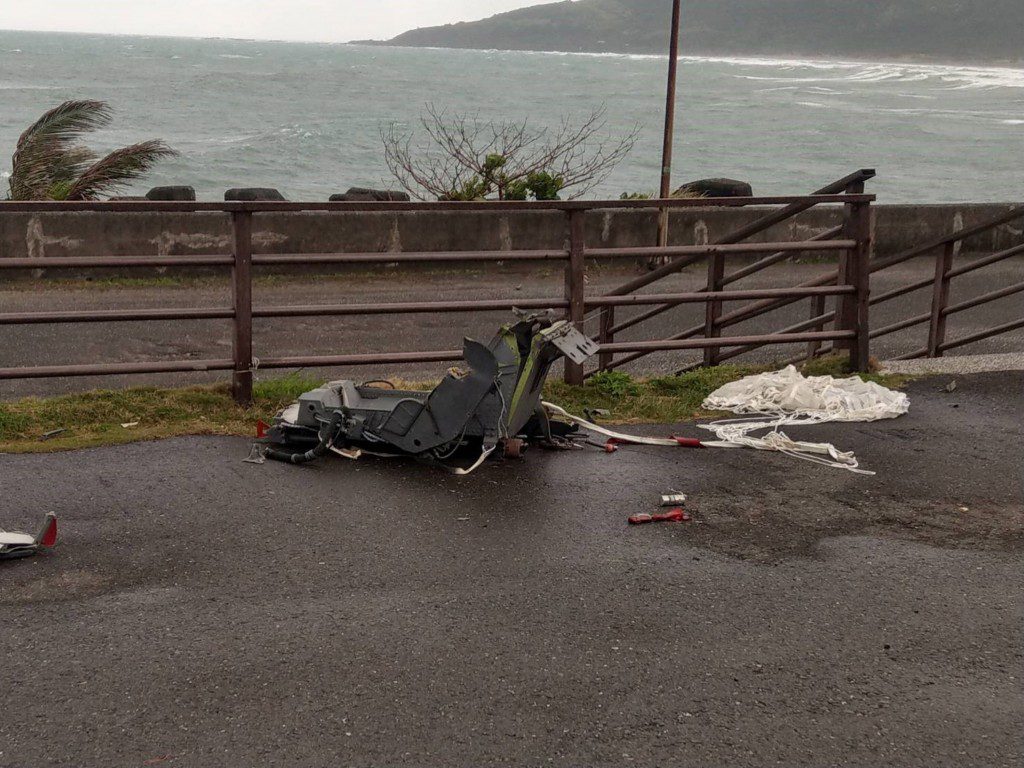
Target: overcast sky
x=320, y=20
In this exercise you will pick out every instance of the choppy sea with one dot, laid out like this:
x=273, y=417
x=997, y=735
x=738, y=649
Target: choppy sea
x=305, y=118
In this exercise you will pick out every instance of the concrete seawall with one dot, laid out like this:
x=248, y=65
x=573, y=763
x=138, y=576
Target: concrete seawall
x=47, y=235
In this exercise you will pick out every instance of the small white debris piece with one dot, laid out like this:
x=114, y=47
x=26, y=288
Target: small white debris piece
x=255, y=455
x=673, y=499
x=129, y=425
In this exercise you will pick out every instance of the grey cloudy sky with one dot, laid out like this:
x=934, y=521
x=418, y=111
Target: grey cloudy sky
x=319, y=20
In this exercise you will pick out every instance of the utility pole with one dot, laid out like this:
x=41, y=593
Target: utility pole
x=670, y=119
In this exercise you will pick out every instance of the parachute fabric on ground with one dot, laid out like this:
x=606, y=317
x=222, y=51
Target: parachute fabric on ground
x=786, y=397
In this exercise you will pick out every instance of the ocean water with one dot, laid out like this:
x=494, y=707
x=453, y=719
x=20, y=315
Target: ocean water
x=305, y=118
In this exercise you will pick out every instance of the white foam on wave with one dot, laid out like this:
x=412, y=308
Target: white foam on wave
x=961, y=76
x=27, y=87
x=946, y=76
x=1012, y=122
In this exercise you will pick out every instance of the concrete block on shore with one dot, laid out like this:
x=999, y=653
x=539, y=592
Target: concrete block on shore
x=172, y=193
x=715, y=188
x=253, y=194
x=366, y=195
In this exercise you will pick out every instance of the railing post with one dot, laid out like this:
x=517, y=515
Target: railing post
x=940, y=299
x=606, y=336
x=858, y=274
x=713, y=309
x=574, y=285
x=241, y=291
x=817, y=309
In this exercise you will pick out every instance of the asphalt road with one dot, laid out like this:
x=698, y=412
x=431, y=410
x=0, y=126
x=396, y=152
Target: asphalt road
x=197, y=340
x=200, y=611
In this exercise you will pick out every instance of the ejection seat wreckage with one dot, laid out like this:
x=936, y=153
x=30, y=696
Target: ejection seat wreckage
x=13, y=545
x=494, y=404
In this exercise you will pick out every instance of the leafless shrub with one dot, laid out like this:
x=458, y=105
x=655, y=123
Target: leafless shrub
x=462, y=157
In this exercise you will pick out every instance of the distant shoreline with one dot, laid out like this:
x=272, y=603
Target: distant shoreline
x=795, y=57
x=774, y=58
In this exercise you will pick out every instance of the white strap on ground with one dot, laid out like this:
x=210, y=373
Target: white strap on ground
x=622, y=436
x=786, y=398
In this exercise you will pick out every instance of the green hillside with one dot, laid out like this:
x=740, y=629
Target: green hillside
x=952, y=30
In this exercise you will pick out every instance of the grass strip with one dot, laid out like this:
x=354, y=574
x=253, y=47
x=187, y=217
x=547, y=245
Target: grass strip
x=100, y=417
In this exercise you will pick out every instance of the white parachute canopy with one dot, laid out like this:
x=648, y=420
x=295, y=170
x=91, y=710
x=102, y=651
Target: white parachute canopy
x=786, y=397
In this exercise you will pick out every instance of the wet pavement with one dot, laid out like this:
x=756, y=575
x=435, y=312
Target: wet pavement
x=202, y=611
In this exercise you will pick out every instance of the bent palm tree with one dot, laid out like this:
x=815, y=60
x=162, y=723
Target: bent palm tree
x=50, y=164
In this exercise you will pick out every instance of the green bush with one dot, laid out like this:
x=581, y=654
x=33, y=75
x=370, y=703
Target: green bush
x=614, y=384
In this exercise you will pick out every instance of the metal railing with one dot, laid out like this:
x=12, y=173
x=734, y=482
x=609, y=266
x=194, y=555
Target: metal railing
x=854, y=248
x=850, y=287
x=945, y=248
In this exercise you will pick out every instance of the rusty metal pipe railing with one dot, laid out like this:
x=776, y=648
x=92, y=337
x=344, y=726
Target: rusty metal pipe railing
x=1013, y=325
x=985, y=298
x=739, y=274
x=115, y=315
x=93, y=262
x=281, y=259
x=725, y=249
x=803, y=325
x=115, y=369
x=375, y=358
x=728, y=341
x=910, y=322
x=852, y=185
x=242, y=260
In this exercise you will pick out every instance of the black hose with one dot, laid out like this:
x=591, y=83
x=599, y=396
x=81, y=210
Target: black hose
x=328, y=434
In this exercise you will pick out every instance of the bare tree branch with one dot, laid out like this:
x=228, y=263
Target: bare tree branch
x=458, y=154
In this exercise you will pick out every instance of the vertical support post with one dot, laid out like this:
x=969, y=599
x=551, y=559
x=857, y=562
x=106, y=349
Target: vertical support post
x=670, y=119
x=940, y=299
x=846, y=306
x=241, y=289
x=713, y=308
x=605, y=336
x=859, y=276
x=817, y=309
x=574, y=285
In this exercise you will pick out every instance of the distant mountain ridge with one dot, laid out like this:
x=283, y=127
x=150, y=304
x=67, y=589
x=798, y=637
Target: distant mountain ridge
x=950, y=30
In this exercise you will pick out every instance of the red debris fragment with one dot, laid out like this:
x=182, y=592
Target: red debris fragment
x=49, y=537
x=677, y=515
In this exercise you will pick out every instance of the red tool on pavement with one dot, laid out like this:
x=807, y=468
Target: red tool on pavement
x=676, y=515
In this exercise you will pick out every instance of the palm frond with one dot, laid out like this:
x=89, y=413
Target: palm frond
x=67, y=122
x=48, y=145
x=70, y=164
x=118, y=169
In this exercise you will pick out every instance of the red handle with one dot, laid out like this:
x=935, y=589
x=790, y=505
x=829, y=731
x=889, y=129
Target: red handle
x=688, y=442
x=676, y=515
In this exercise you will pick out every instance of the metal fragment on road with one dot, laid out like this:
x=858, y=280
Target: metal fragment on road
x=672, y=499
